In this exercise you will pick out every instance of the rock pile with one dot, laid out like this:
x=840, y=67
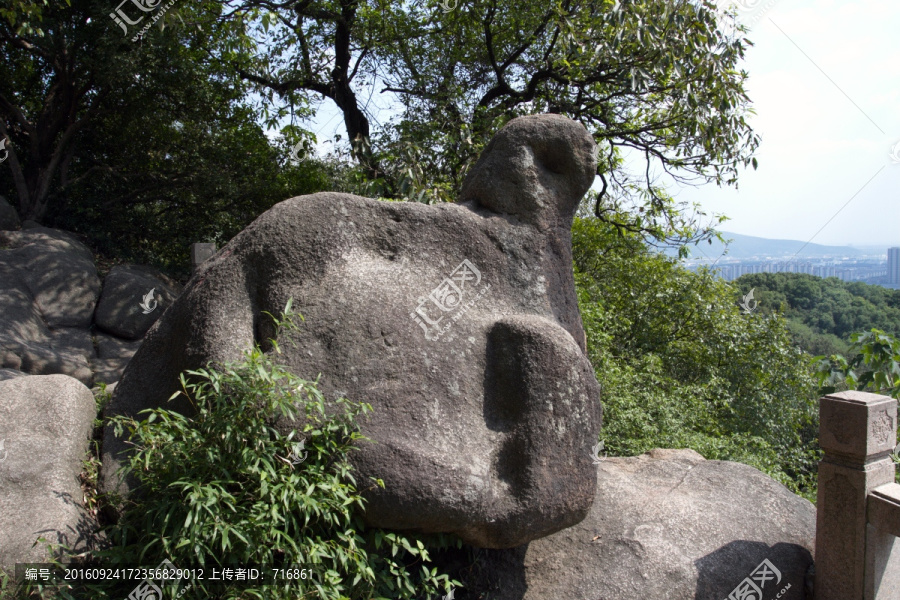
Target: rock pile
x=56, y=316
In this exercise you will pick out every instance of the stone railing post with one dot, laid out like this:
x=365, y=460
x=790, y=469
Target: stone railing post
x=201, y=252
x=858, y=432
x=882, y=545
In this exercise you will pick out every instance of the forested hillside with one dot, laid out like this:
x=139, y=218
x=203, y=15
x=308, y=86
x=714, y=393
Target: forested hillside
x=824, y=313
x=681, y=366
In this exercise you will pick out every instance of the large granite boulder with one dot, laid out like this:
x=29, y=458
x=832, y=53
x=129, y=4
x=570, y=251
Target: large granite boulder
x=45, y=427
x=458, y=323
x=58, y=273
x=668, y=525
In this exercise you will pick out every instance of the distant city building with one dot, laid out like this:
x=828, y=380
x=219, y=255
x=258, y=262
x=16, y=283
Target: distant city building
x=893, y=263
x=871, y=269
x=868, y=264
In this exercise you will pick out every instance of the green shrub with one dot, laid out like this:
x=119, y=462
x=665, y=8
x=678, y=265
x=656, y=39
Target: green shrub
x=682, y=366
x=225, y=487
x=874, y=365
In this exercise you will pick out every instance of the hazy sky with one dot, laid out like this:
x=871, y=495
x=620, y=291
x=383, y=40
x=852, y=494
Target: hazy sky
x=825, y=83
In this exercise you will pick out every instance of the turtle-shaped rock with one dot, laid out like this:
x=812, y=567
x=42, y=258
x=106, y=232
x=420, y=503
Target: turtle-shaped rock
x=457, y=322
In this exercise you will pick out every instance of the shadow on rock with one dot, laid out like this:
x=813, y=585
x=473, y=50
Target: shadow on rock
x=754, y=570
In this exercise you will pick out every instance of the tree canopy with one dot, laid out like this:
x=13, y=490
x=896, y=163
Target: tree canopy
x=655, y=79
x=823, y=314
x=656, y=82
x=143, y=146
x=681, y=366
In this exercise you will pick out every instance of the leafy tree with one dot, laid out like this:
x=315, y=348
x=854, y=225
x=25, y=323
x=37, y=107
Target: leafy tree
x=874, y=365
x=682, y=366
x=65, y=68
x=653, y=79
x=144, y=146
x=824, y=313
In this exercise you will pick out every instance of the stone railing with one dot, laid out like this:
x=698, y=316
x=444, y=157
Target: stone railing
x=858, y=517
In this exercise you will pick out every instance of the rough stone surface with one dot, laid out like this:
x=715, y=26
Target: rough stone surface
x=20, y=317
x=109, y=346
x=46, y=423
x=39, y=359
x=72, y=340
x=108, y=370
x=55, y=270
x=113, y=355
x=133, y=298
x=9, y=218
x=44, y=274
x=27, y=343
x=667, y=525
x=49, y=291
x=458, y=323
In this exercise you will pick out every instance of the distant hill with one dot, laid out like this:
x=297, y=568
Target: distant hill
x=748, y=246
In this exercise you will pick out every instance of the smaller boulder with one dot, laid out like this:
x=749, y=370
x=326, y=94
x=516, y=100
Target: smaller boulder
x=133, y=298
x=45, y=426
x=55, y=271
x=667, y=525
x=9, y=218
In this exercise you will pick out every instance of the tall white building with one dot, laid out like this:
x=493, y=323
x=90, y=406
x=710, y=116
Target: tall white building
x=894, y=266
